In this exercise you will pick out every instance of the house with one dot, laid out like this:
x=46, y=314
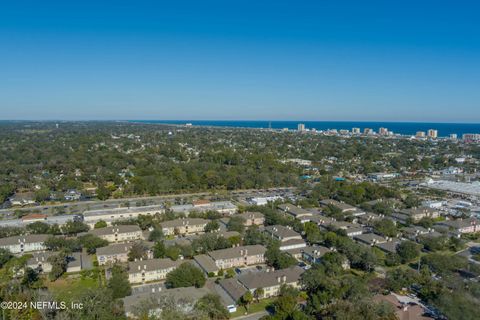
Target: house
x=343, y=207
x=23, y=244
x=113, y=253
x=109, y=215
x=238, y=256
x=295, y=212
x=403, y=310
x=370, y=239
x=39, y=261
x=314, y=254
x=120, y=233
x=150, y=270
x=460, y=226
x=184, y=226
x=370, y=218
x=72, y=195
x=417, y=214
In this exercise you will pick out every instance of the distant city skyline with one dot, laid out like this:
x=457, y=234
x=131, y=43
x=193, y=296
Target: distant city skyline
x=249, y=60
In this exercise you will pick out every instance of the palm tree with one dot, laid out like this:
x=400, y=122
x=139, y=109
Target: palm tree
x=258, y=293
x=246, y=299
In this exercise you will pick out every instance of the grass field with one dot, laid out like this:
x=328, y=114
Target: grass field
x=253, y=308
x=68, y=288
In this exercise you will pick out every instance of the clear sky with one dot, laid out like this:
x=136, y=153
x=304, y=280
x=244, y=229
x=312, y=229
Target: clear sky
x=239, y=59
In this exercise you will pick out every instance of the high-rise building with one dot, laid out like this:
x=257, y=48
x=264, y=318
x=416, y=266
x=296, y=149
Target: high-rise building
x=453, y=136
x=420, y=134
x=471, y=136
x=432, y=133
x=356, y=130
x=383, y=131
x=301, y=127
x=367, y=131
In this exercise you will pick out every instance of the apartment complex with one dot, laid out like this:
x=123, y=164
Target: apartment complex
x=150, y=270
x=23, y=244
x=121, y=233
x=184, y=226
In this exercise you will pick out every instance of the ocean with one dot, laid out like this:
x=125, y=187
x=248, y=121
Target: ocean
x=404, y=128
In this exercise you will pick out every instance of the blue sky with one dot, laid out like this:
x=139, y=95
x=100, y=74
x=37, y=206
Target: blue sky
x=239, y=59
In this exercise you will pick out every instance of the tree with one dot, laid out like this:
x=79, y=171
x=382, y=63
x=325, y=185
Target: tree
x=236, y=223
x=211, y=306
x=408, y=250
x=92, y=242
x=59, y=265
x=100, y=224
x=212, y=226
x=38, y=227
x=258, y=293
x=186, y=275
x=118, y=283
x=137, y=251
x=74, y=227
x=159, y=250
x=5, y=256
x=156, y=235
x=246, y=299
x=386, y=227
x=279, y=259
x=29, y=277
x=399, y=278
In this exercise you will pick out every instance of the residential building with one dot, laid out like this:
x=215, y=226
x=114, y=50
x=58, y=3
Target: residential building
x=295, y=212
x=183, y=298
x=150, y=270
x=301, y=127
x=39, y=261
x=120, y=233
x=113, y=253
x=355, y=130
x=271, y=281
x=238, y=256
x=22, y=199
x=23, y=244
x=252, y=218
x=184, y=226
x=344, y=207
x=282, y=233
x=460, y=226
x=420, y=134
x=370, y=239
x=417, y=214
x=72, y=195
x=314, y=254
x=109, y=215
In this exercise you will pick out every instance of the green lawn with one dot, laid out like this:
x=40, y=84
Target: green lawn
x=253, y=308
x=68, y=288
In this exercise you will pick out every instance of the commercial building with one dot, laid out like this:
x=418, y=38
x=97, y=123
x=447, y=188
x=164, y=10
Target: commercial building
x=109, y=215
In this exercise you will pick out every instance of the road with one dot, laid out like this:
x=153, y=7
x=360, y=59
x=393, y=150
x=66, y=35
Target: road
x=253, y=316
x=77, y=207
